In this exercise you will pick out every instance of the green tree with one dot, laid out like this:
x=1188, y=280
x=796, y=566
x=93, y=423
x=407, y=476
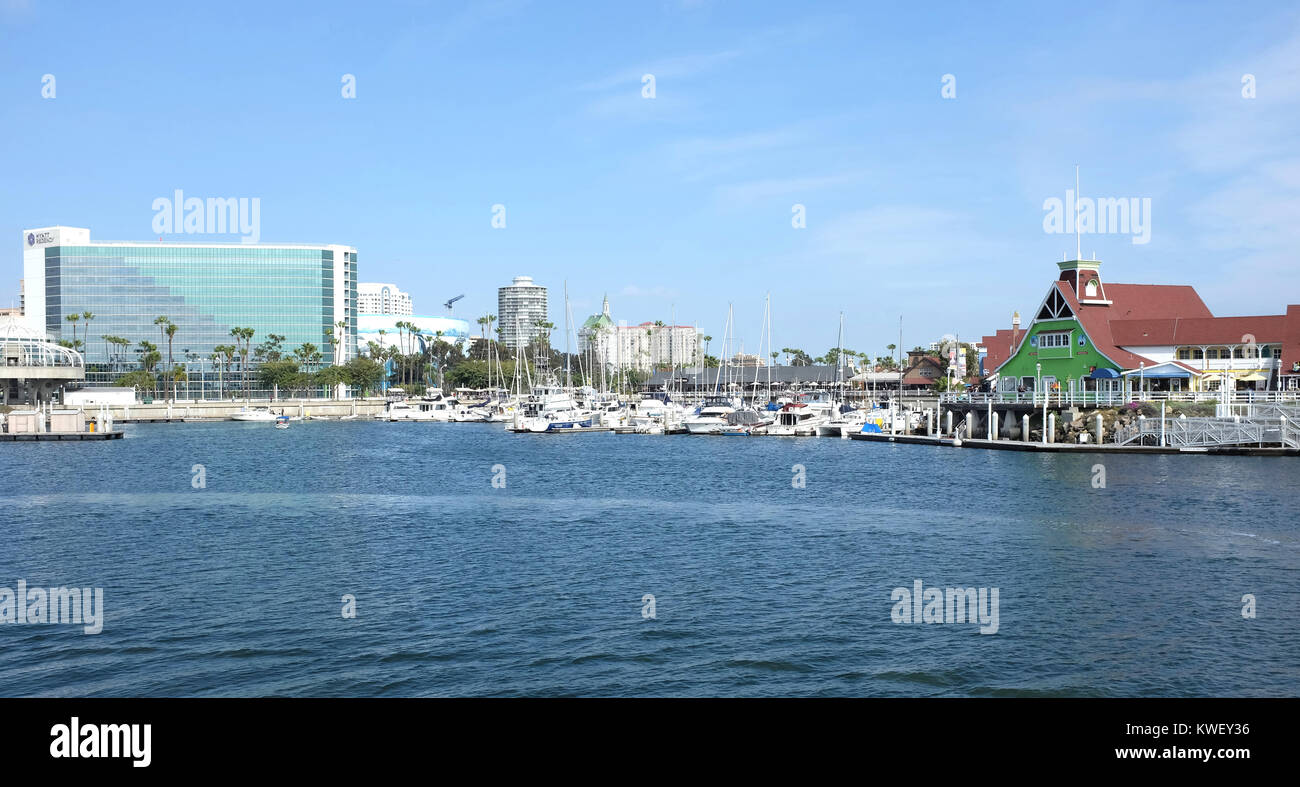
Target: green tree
x=278, y=374
x=74, y=319
x=170, y=331
x=243, y=344
x=86, y=318
x=271, y=349
x=222, y=355
x=364, y=373
x=149, y=357
x=138, y=379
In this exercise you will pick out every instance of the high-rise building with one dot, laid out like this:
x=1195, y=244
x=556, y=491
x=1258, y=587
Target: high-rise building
x=643, y=347
x=298, y=291
x=378, y=298
x=520, y=306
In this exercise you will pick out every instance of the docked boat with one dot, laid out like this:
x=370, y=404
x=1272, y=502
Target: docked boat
x=710, y=416
x=261, y=414
x=743, y=423
x=846, y=422
x=254, y=414
x=890, y=419
x=431, y=407
x=551, y=408
x=500, y=410
x=658, y=410
x=801, y=417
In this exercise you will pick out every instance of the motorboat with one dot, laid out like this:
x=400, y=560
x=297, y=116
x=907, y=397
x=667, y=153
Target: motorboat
x=798, y=419
x=710, y=415
x=254, y=414
x=261, y=414
x=743, y=423
x=433, y=406
x=847, y=421
x=890, y=420
x=551, y=408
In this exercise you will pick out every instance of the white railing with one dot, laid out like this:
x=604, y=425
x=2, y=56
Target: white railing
x=1119, y=398
x=1207, y=432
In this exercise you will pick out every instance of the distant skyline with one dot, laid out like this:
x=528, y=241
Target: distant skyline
x=914, y=204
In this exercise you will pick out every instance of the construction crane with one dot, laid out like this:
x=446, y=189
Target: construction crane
x=453, y=300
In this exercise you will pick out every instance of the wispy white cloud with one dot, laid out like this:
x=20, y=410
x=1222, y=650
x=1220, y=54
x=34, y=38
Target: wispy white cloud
x=678, y=67
x=735, y=194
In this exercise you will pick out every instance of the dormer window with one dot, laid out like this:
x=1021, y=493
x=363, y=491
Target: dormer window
x=1090, y=289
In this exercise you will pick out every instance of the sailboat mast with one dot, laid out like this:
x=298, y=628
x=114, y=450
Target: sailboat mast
x=839, y=370
x=568, y=373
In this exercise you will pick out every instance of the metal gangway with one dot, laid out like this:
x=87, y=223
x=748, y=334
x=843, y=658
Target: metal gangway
x=1210, y=432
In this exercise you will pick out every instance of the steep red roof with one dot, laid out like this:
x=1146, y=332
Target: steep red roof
x=1095, y=319
x=1152, y=302
x=1291, y=338
x=1153, y=315
x=1199, y=330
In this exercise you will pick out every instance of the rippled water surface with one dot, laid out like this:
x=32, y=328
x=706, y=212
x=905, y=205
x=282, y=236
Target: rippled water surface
x=760, y=588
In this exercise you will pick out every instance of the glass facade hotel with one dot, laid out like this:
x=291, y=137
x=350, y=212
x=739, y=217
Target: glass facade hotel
x=299, y=292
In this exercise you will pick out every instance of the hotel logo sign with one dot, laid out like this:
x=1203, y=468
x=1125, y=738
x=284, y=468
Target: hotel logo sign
x=34, y=238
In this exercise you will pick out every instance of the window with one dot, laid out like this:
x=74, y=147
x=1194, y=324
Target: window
x=1090, y=289
x=1054, y=339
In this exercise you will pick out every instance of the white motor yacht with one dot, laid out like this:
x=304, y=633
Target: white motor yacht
x=550, y=408
x=710, y=416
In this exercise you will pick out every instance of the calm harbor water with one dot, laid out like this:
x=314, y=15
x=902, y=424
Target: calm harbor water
x=760, y=588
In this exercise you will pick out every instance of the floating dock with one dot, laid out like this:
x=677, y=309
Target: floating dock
x=40, y=437
x=1072, y=448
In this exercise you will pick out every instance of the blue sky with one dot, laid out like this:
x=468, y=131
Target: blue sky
x=916, y=205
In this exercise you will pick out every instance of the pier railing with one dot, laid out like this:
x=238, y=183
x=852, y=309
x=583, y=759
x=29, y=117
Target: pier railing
x=1120, y=398
x=1207, y=432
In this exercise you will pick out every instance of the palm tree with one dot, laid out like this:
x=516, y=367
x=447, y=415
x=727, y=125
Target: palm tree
x=178, y=374
x=221, y=357
x=73, y=318
x=414, y=333
x=87, y=317
x=243, y=355
x=706, y=339
x=162, y=322
x=170, y=330
x=243, y=342
x=436, y=341
x=342, y=325
x=335, y=340
x=149, y=357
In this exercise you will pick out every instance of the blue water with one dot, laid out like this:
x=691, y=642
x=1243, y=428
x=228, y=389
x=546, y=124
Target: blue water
x=536, y=589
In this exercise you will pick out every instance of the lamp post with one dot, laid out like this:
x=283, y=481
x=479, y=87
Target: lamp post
x=1039, y=384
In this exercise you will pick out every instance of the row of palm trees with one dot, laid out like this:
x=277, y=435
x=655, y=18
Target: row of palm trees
x=150, y=356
